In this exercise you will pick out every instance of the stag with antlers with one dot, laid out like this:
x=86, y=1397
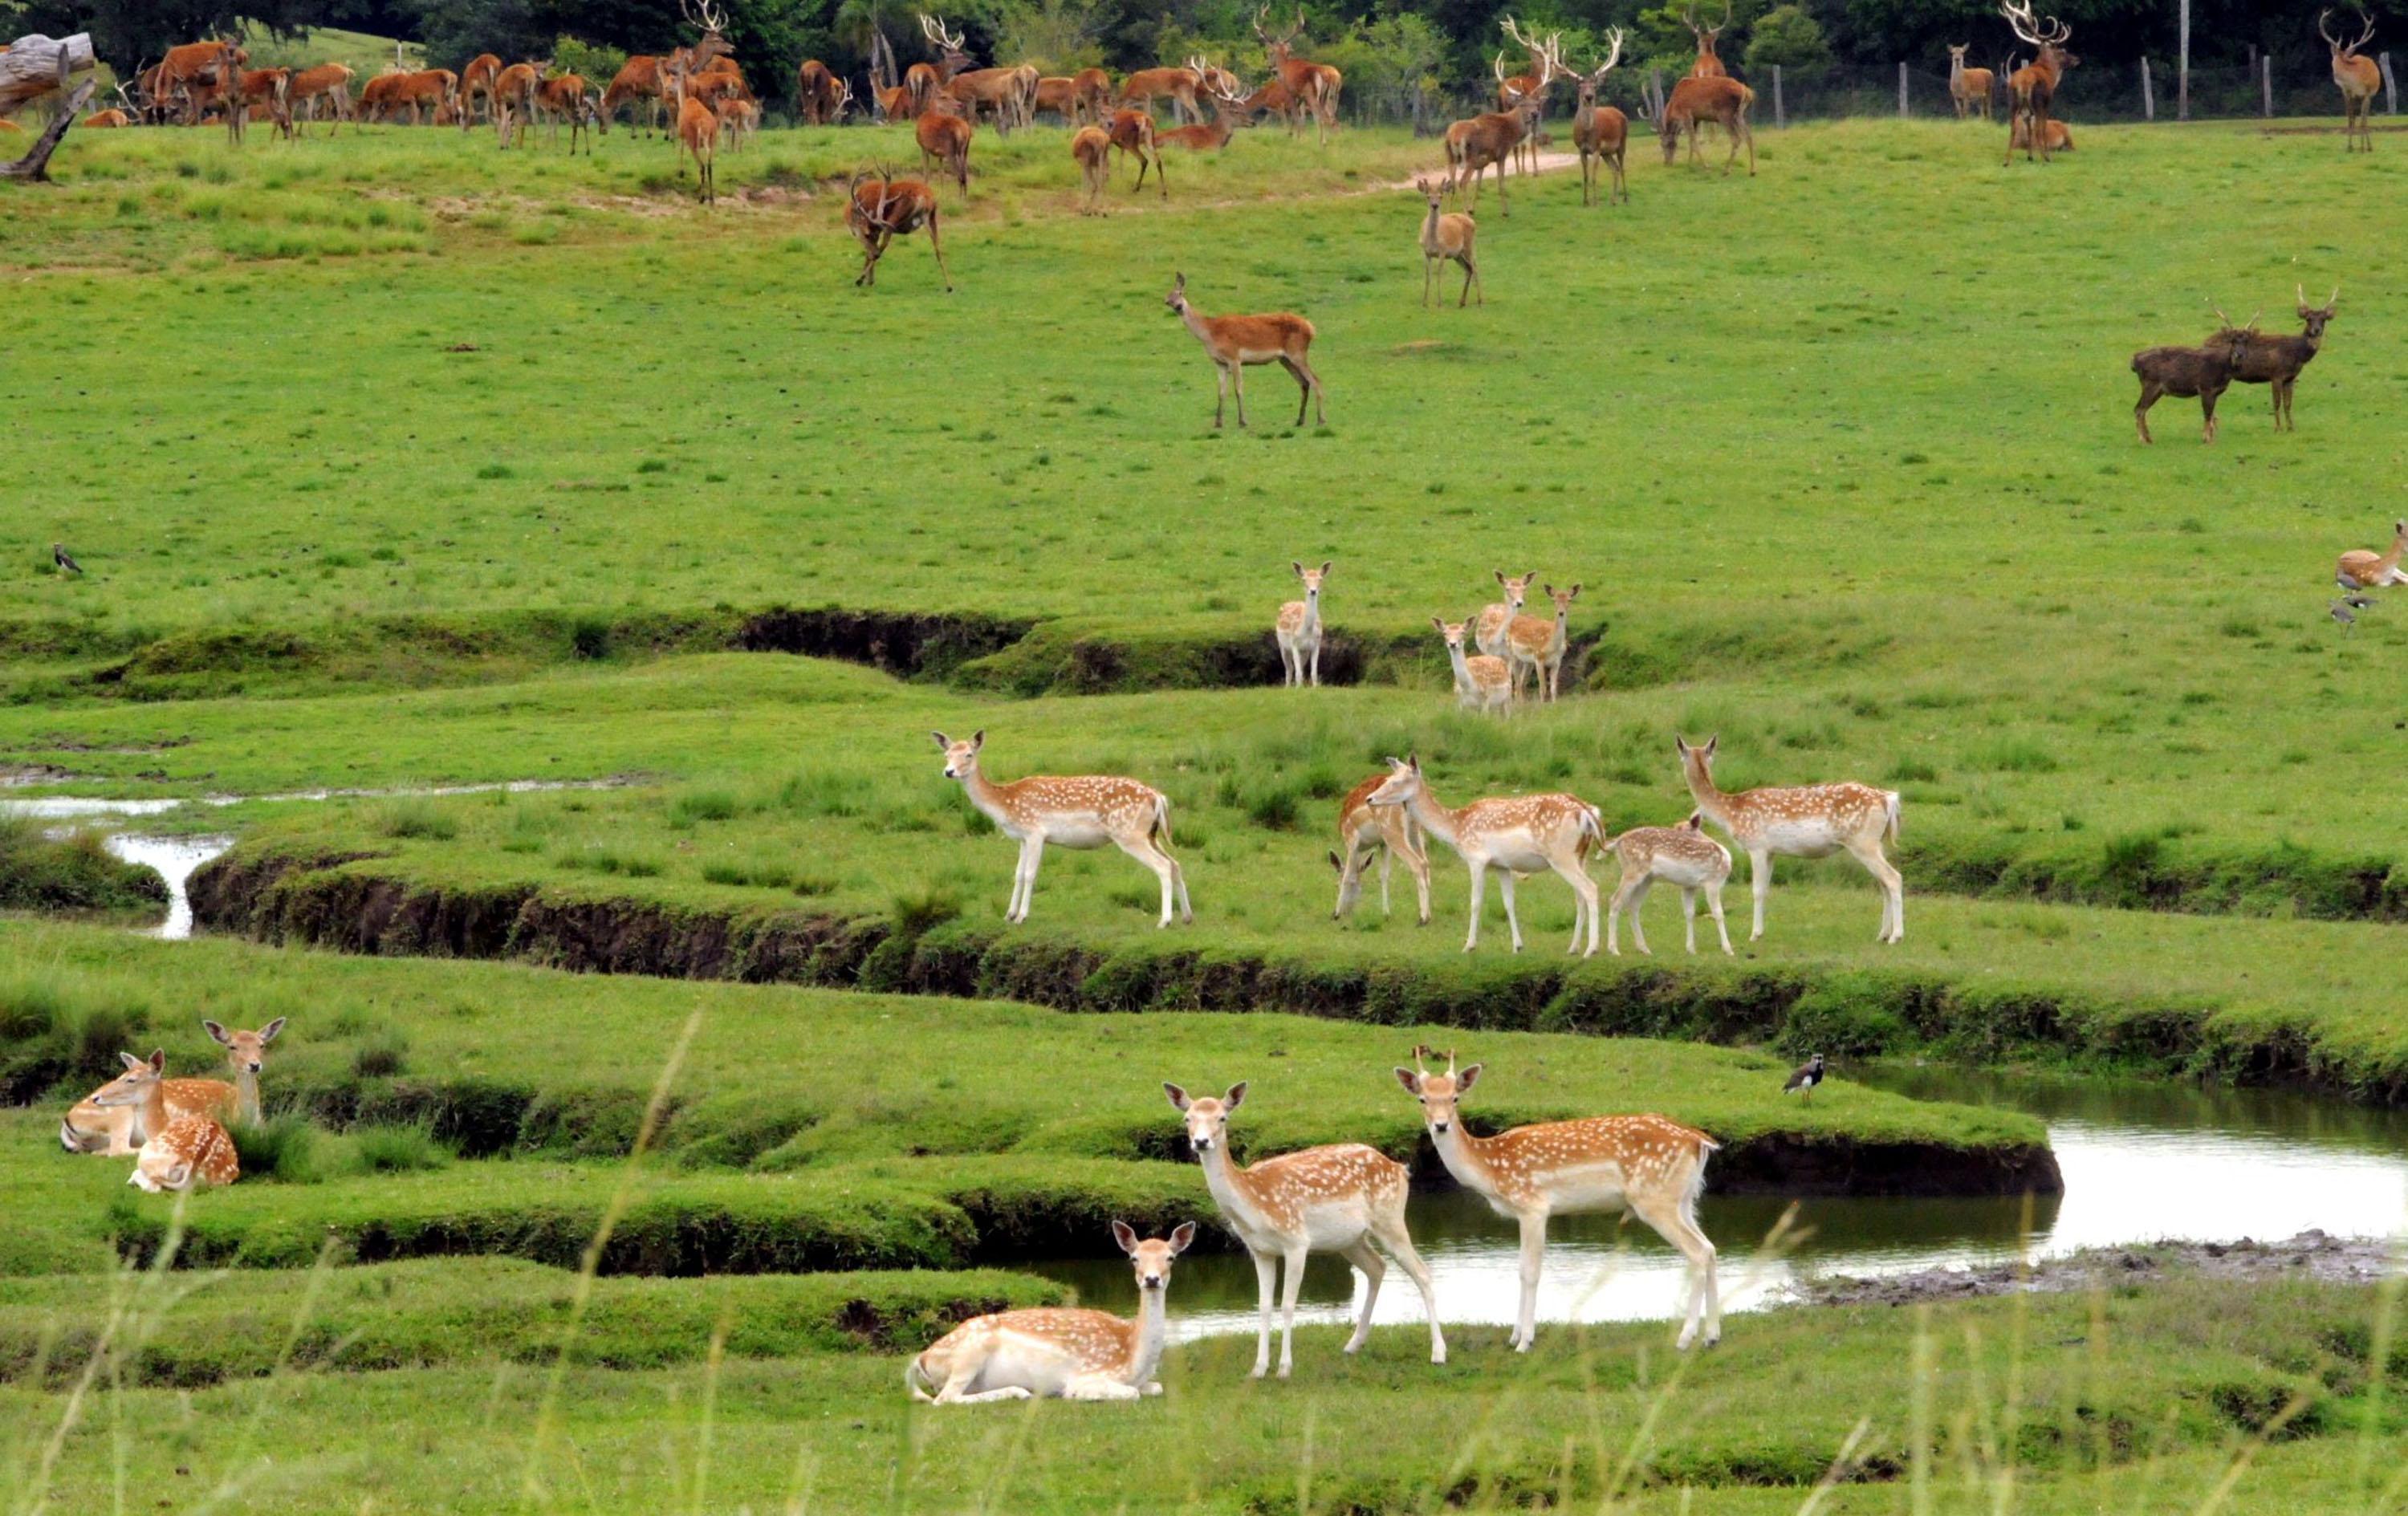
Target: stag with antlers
x=2358, y=80
x=878, y=211
x=1546, y=65
x=1708, y=65
x=1601, y=133
x=2031, y=89
x=1313, y=86
x=1473, y=146
x=1001, y=91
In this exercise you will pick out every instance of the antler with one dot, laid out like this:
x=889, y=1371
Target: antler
x=707, y=16
x=2031, y=30
x=1499, y=68
x=1553, y=60
x=2366, y=37
x=1612, y=57
x=1514, y=30
x=2326, y=32
x=1725, y=26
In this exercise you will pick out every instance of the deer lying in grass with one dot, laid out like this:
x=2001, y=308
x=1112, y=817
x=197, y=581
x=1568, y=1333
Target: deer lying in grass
x=2203, y=371
x=1053, y=1352
x=117, y=1129
x=2061, y=137
x=1233, y=343
x=2275, y=359
x=1483, y=683
x=1681, y=856
x=2363, y=569
x=1447, y=237
x=1364, y=830
x=180, y=1149
x=1515, y=834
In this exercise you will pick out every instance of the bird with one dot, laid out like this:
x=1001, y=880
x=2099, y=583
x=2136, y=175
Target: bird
x=2345, y=581
x=64, y=559
x=2357, y=602
x=2342, y=614
x=1808, y=1075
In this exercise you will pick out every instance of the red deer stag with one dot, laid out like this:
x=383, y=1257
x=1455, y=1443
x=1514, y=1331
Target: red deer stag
x=876, y=213
x=2358, y=80
x=944, y=141
x=1516, y=87
x=997, y=90
x=1695, y=101
x=1708, y=65
x=819, y=94
x=1473, y=146
x=1968, y=88
x=2277, y=359
x=1601, y=133
x=1132, y=132
x=2203, y=371
x=1313, y=86
x=2031, y=89
x=1235, y=342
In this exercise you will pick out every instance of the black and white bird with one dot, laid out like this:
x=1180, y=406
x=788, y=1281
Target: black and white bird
x=63, y=559
x=2359, y=602
x=2346, y=617
x=1808, y=1075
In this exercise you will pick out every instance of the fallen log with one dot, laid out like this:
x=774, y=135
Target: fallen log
x=35, y=166
x=29, y=69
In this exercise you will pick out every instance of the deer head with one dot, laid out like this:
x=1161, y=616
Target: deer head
x=2340, y=50
x=2315, y=316
x=1207, y=1118
x=134, y=1086
x=247, y=1052
x=961, y=758
x=1176, y=299
x=1705, y=34
x=948, y=43
x=1153, y=1256
x=2049, y=36
x=1590, y=83
x=1437, y=1092
x=1277, y=46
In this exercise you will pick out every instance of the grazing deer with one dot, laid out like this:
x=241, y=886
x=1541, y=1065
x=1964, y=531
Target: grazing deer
x=329, y=83
x=1365, y=829
x=1274, y=98
x=1049, y=1352
x=1057, y=93
x=2358, y=80
x=1601, y=133
x=477, y=79
x=117, y=1128
x=1693, y=101
x=1648, y=1165
x=738, y=120
x=2031, y=89
x=1078, y=813
x=1132, y=132
x=1313, y=86
x=1228, y=114
x=1681, y=856
x=1968, y=88
x=2203, y=371
x=513, y=99
x=894, y=103
x=1475, y=145
x=638, y=78
x=820, y=95
x=1483, y=683
x=1535, y=645
x=1488, y=630
x=268, y=94
x=944, y=141
x=563, y=97
x=1447, y=237
x=1339, y=1199
x=1512, y=89
x=1091, y=93
x=2277, y=359
x=1235, y=342
x=1140, y=90
x=1514, y=835
x=878, y=213
x=2363, y=569
x=1091, y=148
x=196, y=70
x=1297, y=629
x=1708, y=65
x=1810, y=821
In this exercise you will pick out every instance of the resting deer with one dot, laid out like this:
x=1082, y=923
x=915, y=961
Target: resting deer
x=1086, y=812
x=1514, y=835
x=2031, y=89
x=1488, y=631
x=2203, y=371
x=1091, y=149
x=117, y=1128
x=1810, y=821
x=179, y=1150
x=876, y=213
x=2358, y=78
x=1365, y=829
x=1649, y=1165
x=1535, y=645
x=1482, y=680
x=1968, y=88
x=1236, y=342
x=2363, y=569
x=1601, y=133
x=1339, y=1199
x=1719, y=99
x=2061, y=137
x=1297, y=629
x=1681, y=856
x=1053, y=1352
x=1447, y=237
x=2277, y=359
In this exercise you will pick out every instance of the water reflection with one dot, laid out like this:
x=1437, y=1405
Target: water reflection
x=174, y=858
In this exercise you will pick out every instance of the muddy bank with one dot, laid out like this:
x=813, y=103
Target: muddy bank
x=2311, y=1255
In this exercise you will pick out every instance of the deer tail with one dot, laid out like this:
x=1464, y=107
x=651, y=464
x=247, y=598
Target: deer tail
x=1162, y=818
x=1889, y=813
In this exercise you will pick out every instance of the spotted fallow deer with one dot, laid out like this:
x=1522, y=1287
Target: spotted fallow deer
x=1053, y=1352
x=1535, y=645
x=1087, y=811
x=1488, y=629
x=117, y=1129
x=1236, y=342
x=1339, y=1199
x=1447, y=236
x=1809, y=821
x=1482, y=680
x=1601, y=133
x=2358, y=78
x=1968, y=88
x=1365, y=829
x=2363, y=569
x=178, y=1150
x=1298, y=630
x=1681, y=856
x=1516, y=835
x=1648, y=1165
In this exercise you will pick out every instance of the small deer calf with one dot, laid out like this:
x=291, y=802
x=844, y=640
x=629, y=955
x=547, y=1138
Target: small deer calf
x=1482, y=682
x=1681, y=856
x=2183, y=372
x=1446, y=235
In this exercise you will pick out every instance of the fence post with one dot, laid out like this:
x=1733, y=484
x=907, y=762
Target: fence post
x=2266, y=84
x=1656, y=90
x=1902, y=89
x=2182, y=69
x=2148, y=97
x=2390, y=88
x=1781, y=116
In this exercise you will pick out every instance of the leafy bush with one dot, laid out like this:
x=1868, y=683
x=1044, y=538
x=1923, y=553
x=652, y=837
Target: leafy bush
x=71, y=873
x=1788, y=39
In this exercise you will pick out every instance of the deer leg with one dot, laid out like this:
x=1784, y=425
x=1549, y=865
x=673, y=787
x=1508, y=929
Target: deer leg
x=1220, y=394
x=1238, y=383
x=1291, y=1283
x=2141, y=412
x=1419, y=866
x=1759, y=877
x=1316, y=645
x=1534, y=1252
x=1429, y=268
x=1585, y=889
x=1689, y=918
x=1390, y=1230
x=1479, y=888
x=1714, y=906
x=1305, y=388
x=1512, y=924
x=1265, y=1282
x=1366, y=1258
x=1639, y=888
x=1893, y=887
x=1165, y=869
x=1471, y=276
x=1673, y=1223
x=1385, y=853
x=2207, y=411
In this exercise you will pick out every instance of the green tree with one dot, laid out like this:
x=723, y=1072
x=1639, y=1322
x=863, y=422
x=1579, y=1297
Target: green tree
x=1789, y=40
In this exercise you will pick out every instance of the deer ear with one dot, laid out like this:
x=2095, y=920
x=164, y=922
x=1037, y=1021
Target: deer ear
x=177, y=1174
x=159, y=1059
x=1573, y=594
x=1236, y=1097
x=1178, y=1097
x=978, y=739
x=217, y=1033
x=1183, y=1237
x=940, y=739
x=1411, y=1080
x=132, y=1063
x=1500, y=575
x=1334, y=861
x=267, y=1033
x=1325, y=566
x=1464, y=1081
x=1711, y=743
x=1297, y=566
x=1125, y=1236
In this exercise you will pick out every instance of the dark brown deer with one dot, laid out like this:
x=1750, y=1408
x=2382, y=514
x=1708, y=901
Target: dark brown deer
x=2277, y=359
x=2032, y=88
x=1693, y=101
x=2358, y=78
x=878, y=210
x=2204, y=371
x=1473, y=146
x=1601, y=132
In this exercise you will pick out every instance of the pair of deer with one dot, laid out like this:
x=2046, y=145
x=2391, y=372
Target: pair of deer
x=2240, y=354
x=1511, y=646
x=174, y=1128
x=1348, y=1198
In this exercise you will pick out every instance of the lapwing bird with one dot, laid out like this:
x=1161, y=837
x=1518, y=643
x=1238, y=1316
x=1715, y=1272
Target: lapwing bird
x=64, y=559
x=1808, y=1075
x=2359, y=602
x=2342, y=614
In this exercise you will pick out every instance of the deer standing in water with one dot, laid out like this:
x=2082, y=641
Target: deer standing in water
x=1297, y=630
x=1447, y=237
x=2031, y=89
x=1483, y=683
x=1681, y=856
x=1081, y=812
x=1236, y=342
x=1514, y=835
x=1810, y=821
x=1365, y=829
x=1650, y=1166
x=2358, y=78
x=1601, y=132
x=1055, y=1351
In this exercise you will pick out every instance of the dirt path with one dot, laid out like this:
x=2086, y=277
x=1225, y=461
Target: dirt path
x=2312, y=1255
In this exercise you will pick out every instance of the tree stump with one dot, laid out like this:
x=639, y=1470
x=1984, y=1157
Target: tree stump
x=19, y=71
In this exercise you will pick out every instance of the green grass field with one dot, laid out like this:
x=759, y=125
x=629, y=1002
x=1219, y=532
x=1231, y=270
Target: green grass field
x=421, y=464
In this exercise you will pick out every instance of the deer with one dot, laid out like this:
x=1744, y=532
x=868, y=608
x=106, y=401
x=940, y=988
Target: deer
x=820, y=95
x=1512, y=89
x=1513, y=834
x=269, y=89
x=2032, y=88
x=878, y=213
x=1647, y=1166
x=1138, y=91
x=1483, y=683
x=637, y=79
x=2358, y=78
x=1601, y=133
x=1315, y=87
x=328, y=82
x=1057, y=93
x=563, y=97
x=477, y=79
x=1480, y=142
x=513, y=99
x=998, y=89
x=2275, y=359
x=102, y=119
x=1297, y=630
x=1488, y=628
x=191, y=65
x=1091, y=93
x=1236, y=342
x=191, y=1152
x=1341, y=1198
x=894, y=103
x=1681, y=856
x=1228, y=114
x=1365, y=829
x=1091, y=149
x=2203, y=371
x=434, y=90
x=1720, y=99
x=1079, y=813
x=1708, y=65
x=1274, y=98
x=1057, y=1353
x=1132, y=132
x=1447, y=237
x=697, y=127
x=2363, y=569
x=2061, y=137
x=944, y=141
x=1968, y=88
x=117, y=1128
x=738, y=120
x=1535, y=645
x=1810, y=821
